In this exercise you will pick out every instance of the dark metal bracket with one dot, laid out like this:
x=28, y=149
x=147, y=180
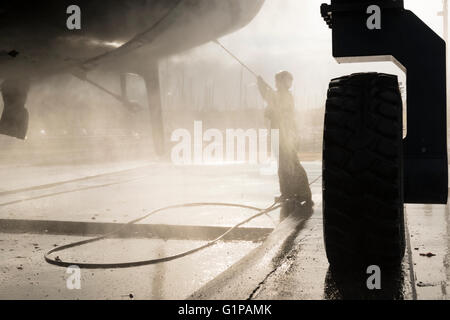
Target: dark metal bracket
x=422, y=54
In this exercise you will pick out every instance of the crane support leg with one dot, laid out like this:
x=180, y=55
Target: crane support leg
x=379, y=30
x=14, y=120
x=152, y=82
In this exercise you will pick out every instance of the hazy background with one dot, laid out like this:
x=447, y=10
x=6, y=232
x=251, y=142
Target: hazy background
x=288, y=35
x=202, y=84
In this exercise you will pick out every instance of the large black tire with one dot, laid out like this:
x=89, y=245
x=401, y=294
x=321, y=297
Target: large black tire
x=363, y=172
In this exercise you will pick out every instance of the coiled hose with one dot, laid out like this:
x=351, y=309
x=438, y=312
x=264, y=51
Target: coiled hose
x=58, y=262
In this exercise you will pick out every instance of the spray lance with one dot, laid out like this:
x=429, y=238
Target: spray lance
x=240, y=61
x=236, y=58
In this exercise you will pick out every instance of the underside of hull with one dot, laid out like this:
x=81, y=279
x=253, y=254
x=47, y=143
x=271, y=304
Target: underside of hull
x=35, y=41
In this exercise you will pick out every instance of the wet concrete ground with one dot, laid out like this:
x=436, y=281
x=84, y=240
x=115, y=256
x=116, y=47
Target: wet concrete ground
x=118, y=193
x=25, y=275
x=429, y=240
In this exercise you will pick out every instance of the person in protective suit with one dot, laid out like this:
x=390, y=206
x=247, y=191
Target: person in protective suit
x=294, y=185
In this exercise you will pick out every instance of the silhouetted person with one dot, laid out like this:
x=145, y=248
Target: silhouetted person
x=280, y=111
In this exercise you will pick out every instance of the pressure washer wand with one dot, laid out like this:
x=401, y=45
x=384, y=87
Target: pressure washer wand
x=236, y=58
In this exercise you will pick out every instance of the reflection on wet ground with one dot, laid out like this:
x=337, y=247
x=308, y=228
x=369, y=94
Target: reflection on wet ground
x=430, y=249
x=351, y=285
x=301, y=274
x=425, y=274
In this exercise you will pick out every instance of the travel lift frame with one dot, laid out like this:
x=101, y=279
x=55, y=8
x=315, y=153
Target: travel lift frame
x=382, y=30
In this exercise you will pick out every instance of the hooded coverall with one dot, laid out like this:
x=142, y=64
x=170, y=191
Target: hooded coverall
x=281, y=113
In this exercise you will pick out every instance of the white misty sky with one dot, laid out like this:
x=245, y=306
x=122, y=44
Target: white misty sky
x=295, y=26
x=289, y=35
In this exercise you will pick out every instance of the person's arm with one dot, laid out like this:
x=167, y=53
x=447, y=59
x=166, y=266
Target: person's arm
x=266, y=91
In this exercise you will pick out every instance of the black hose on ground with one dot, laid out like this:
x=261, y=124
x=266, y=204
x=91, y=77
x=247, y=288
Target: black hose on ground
x=58, y=262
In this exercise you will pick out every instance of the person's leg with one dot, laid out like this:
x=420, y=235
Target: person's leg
x=293, y=178
x=303, y=189
x=285, y=185
x=294, y=185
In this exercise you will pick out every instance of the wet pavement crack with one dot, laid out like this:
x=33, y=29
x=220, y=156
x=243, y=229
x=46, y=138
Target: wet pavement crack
x=258, y=287
x=287, y=257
